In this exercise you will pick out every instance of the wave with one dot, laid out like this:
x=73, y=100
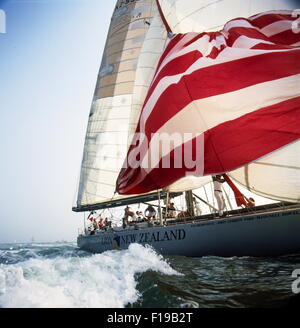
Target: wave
x=52, y=277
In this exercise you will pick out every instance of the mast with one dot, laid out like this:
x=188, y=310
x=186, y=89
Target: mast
x=159, y=210
x=190, y=203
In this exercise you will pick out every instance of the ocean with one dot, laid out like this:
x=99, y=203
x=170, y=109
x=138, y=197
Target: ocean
x=59, y=275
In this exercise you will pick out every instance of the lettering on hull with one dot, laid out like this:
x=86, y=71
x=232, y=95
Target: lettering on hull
x=142, y=238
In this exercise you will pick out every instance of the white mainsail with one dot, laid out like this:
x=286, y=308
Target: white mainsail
x=109, y=124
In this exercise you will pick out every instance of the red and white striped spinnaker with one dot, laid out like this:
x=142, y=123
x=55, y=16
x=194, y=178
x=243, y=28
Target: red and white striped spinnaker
x=228, y=98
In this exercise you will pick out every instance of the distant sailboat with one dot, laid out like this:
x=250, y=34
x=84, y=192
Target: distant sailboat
x=206, y=75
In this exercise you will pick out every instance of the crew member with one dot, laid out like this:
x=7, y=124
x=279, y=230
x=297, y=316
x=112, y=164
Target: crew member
x=171, y=210
x=150, y=212
x=217, y=181
x=251, y=202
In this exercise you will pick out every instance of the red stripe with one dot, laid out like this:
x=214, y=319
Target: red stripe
x=239, y=197
x=259, y=133
x=287, y=37
x=177, y=66
x=172, y=43
x=209, y=81
x=268, y=19
x=223, y=150
x=236, y=32
x=216, y=51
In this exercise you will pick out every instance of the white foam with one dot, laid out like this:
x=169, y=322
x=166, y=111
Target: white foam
x=101, y=280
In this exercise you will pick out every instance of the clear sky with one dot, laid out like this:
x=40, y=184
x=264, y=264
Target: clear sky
x=49, y=61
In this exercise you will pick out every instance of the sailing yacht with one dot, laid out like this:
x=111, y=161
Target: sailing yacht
x=188, y=90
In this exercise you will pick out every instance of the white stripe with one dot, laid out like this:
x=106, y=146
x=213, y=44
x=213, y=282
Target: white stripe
x=296, y=44
x=239, y=23
x=247, y=43
x=277, y=27
x=202, y=45
x=204, y=114
x=197, y=45
x=269, y=30
x=227, y=55
x=184, y=40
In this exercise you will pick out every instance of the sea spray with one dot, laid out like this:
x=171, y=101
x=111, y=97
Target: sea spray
x=73, y=280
